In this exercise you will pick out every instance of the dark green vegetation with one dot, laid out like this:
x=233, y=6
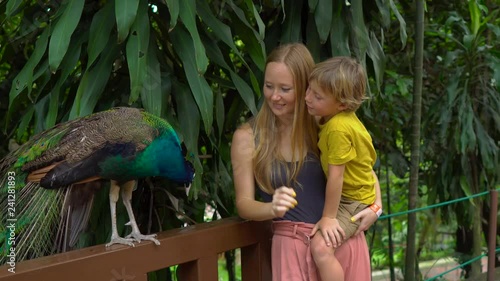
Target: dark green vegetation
x=199, y=65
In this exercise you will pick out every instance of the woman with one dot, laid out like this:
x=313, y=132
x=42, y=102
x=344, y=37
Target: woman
x=277, y=152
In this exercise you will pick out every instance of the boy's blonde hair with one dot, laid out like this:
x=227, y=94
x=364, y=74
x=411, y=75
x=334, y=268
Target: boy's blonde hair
x=342, y=77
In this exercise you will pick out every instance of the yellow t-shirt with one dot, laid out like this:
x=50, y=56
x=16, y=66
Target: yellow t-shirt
x=345, y=140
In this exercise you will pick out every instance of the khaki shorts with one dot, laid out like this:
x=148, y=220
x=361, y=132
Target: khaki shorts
x=347, y=209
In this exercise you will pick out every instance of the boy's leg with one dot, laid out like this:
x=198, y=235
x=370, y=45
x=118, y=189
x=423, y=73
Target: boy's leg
x=354, y=257
x=347, y=209
x=329, y=267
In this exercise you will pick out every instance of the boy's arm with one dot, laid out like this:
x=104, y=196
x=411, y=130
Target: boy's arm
x=328, y=224
x=333, y=190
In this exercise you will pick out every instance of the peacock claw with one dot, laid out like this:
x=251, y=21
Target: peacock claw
x=138, y=237
x=120, y=240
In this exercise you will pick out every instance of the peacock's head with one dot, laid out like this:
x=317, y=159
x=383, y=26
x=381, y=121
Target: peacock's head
x=190, y=168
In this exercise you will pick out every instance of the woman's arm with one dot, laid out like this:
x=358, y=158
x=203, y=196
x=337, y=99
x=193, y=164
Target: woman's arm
x=367, y=217
x=242, y=149
x=378, y=193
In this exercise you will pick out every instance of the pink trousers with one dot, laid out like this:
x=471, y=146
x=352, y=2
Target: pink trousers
x=292, y=259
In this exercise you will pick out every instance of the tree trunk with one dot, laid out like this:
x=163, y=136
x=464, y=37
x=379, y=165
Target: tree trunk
x=410, y=261
x=477, y=217
x=478, y=237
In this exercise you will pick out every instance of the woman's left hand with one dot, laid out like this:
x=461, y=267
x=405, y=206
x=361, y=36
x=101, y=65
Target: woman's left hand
x=366, y=218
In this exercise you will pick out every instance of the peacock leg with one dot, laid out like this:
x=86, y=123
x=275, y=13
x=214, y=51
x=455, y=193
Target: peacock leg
x=114, y=192
x=136, y=234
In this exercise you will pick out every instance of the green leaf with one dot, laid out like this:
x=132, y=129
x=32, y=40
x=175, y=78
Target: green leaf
x=189, y=129
x=67, y=66
x=100, y=31
x=241, y=15
x=358, y=28
x=252, y=39
x=377, y=55
x=151, y=94
x=42, y=77
x=219, y=113
x=64, y=28
x=125, y=12
x=40, y=114
x=466, y=188
x=312, y=5
x=137, y=49
x=258, y=20
x=384, y=12
x=93, y=83
x=12, y=8
x=468, y=40
x=475, y=16
x=25, y=121
x=220, y=30
x=487, y=147
x=292, y=25
x=188, y=17
x=223, y=32
x=173, y=8
x=183, y=45
x=313, y=43
x=466, y=121
x=323, y=16
x=339, y=36
x=25, y=77
x=402, y=24
x=494, y=28
x=244, y=90
x=189, y=125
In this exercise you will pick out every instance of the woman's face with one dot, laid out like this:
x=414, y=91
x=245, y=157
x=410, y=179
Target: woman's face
x=279, y=89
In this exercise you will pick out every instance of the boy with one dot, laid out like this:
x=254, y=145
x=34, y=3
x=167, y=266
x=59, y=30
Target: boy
x=336, y=90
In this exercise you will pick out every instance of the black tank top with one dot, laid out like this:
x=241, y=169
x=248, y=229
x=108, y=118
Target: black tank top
x=310, y=192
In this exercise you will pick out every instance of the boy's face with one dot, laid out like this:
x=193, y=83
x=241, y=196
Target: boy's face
x=320, y=103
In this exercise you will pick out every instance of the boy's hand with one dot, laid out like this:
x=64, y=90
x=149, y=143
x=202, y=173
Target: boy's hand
x=331, y=231
x=283, y=200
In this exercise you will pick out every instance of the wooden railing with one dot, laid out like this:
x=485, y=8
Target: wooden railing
x=195, y=249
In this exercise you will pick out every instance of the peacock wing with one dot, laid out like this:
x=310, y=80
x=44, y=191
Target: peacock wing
x=86, y=140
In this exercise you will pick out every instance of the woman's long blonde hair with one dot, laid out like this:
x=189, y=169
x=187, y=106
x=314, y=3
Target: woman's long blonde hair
x=267, y=155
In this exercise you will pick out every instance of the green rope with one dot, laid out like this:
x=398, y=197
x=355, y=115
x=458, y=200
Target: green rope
x=439, y=205
x=435, y=205
x=460, y=266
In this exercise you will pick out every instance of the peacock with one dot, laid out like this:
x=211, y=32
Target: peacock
x=52, y=178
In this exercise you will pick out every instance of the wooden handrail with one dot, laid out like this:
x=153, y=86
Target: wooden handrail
x=194, y=248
